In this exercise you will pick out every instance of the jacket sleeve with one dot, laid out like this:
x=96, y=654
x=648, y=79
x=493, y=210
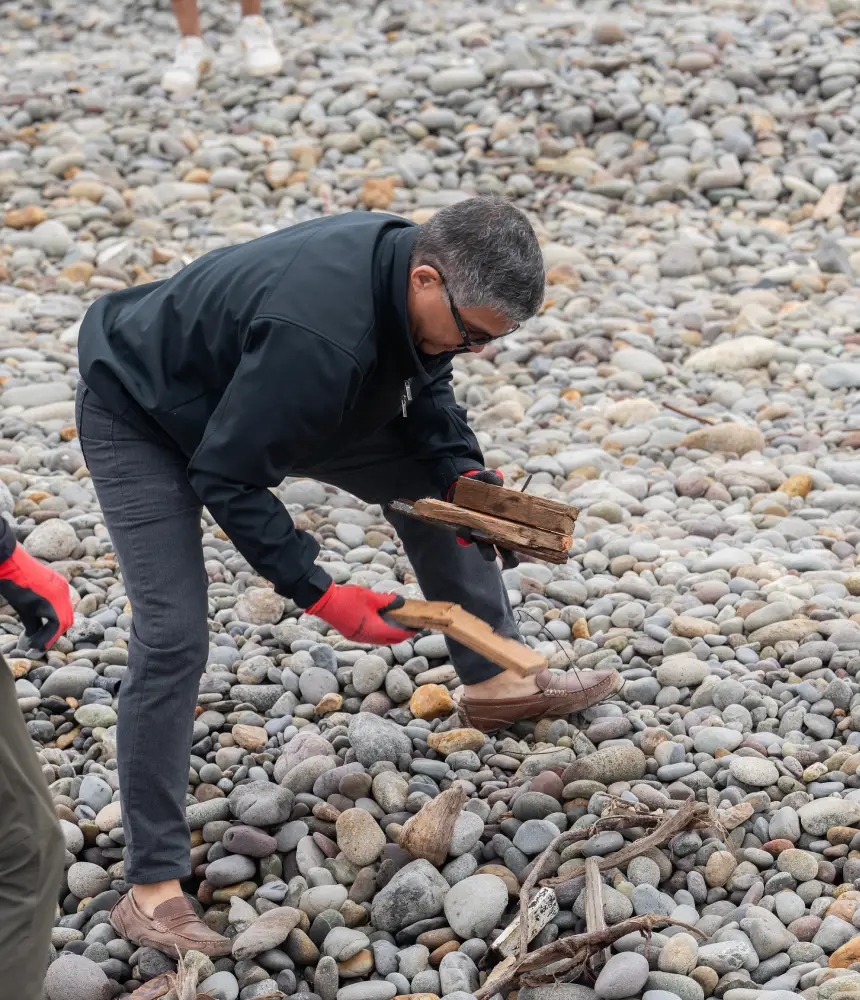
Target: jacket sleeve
x=7, y=540
x=438, y=433
x=267, y=424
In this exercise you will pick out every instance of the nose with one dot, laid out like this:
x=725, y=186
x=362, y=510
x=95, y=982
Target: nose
x=477, y=350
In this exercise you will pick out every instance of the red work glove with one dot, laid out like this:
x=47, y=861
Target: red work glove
x=39, y=595
x=356, y=613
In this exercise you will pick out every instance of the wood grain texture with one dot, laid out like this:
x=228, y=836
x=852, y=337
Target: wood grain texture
x=512, y=505
x=542, y=907
x=458, y=624
x=511, y=534
x=406, y=507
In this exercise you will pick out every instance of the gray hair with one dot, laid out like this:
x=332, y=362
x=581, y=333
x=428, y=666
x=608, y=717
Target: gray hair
x=488, y=254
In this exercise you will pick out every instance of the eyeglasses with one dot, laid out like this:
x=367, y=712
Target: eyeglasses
x=471, y=338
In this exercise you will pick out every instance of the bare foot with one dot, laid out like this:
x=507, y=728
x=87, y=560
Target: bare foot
x=504, y=685
x=154, y=894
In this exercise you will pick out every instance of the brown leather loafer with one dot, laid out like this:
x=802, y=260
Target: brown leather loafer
x=560, y=694
x=174, y=924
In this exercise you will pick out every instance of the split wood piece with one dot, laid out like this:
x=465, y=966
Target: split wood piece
x=509, y=533
x=512, y=505
x=542, y=907
x=463, y=627
x=594, y=919
x=545, y=555
x=428, y=833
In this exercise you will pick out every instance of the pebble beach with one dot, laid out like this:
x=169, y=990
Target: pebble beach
x=691, y=386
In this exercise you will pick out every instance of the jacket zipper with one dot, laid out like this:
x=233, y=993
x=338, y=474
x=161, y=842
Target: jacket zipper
x=406, y=396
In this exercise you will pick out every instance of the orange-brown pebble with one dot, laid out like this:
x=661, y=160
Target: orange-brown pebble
x=431, y=701
x=847, y=955
x=580, y=629
x=841, y=834
x=456, y=739
x=377, y=192
x=329, y=703
x=197, y=175
x=439, y=953
x=252, y=738
x=777, y=846
x=24, y=218
x=797, y=485
x=361, y=964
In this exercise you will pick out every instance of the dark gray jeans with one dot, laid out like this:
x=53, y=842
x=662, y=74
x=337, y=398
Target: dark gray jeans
x=31, y=855
x=153, y=517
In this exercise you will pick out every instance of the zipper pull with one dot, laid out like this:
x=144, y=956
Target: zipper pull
x=405, y=397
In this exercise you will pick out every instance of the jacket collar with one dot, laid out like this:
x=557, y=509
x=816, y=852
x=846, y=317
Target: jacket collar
x=394, y=256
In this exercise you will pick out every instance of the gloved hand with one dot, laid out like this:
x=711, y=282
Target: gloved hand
x=39, y=595
x=492, y=476
x=356, y=613
x=464, y=535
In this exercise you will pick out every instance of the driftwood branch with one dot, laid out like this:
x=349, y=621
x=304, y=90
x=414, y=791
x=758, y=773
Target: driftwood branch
x=573, y=953
x=562, y=840
x=594, y=918
x=543, y=907
x=691, y=416
x=691, y=813
x=578, y=949
x=182, y=984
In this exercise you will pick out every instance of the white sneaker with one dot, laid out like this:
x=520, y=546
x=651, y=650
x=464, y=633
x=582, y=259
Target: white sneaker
x=258, y=47
x=192, y=61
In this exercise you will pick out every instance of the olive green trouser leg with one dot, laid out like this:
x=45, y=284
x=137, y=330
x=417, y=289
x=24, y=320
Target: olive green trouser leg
x=31, y=855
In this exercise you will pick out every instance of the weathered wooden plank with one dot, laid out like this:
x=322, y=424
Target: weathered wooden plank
x=507, y=653
x=471, y=631
x=547, y=555
x=512, y=505
x=510, y=533
x=422, y=614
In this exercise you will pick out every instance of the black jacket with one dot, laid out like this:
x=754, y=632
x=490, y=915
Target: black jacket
x=263, y=359
x=7, y=540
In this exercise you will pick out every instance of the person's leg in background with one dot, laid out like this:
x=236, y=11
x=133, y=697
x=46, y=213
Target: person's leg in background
x=31, y=855
x=194, y=58
x=153, y=517
x=258, y=45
